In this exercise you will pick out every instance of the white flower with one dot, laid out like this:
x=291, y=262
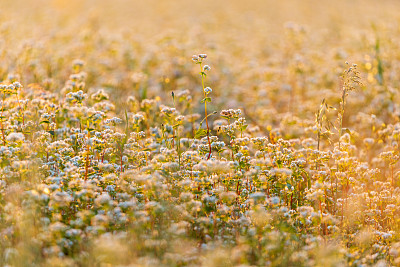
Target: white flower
x=206, y=67
x=207, y=90
x=275, y=200
x=15, y=137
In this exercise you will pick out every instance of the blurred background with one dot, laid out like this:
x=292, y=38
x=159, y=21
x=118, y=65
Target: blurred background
x=154, y=17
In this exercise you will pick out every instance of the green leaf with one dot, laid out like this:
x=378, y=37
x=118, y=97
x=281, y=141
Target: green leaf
x=176, y=125
x=289, y=186
x=44, y=122
x=206, y=99
x=346, y=130
x=200, y=133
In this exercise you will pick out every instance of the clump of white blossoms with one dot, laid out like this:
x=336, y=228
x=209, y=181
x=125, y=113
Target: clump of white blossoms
x=15, y=137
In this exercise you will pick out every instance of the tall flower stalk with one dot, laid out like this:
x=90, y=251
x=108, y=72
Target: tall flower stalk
x=351, y=80
x=323, y=125
x=206, y=91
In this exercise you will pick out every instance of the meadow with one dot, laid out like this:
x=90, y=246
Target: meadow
x=199, y=133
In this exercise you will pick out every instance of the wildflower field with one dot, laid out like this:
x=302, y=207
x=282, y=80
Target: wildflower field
x=199, y=133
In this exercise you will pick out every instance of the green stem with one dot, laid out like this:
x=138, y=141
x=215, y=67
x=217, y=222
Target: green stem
x=1, y=119
x=205, y=111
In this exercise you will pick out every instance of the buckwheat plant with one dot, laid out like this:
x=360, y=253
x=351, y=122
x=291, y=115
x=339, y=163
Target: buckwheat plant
x=100, y=167
x=198, y=59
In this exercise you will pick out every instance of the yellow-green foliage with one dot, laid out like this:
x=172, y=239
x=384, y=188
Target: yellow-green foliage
x=107, y=123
